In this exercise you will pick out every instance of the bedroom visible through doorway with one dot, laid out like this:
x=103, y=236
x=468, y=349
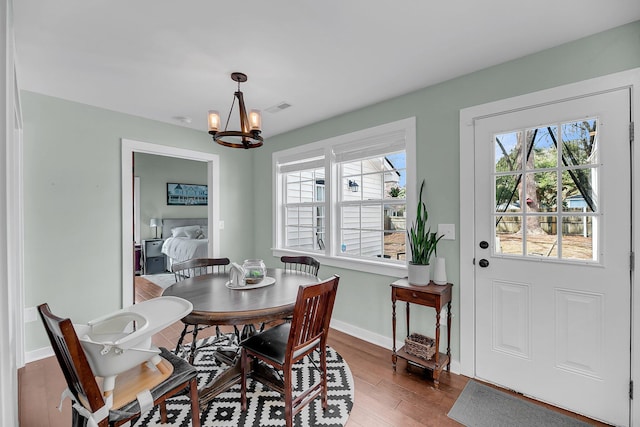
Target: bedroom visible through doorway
x=133, y=151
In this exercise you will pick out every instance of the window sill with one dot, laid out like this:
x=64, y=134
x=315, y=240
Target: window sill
x=365, y=266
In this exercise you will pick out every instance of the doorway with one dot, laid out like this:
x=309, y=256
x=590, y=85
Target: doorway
x=550, y=235
x=129, y=147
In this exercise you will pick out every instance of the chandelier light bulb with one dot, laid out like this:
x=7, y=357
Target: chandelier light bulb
x=214, y=121
x=255, y=120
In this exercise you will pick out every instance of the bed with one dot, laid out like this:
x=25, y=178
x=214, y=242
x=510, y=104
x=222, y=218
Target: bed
x=184, y=238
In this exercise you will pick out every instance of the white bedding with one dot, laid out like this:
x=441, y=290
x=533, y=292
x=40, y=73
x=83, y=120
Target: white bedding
x=180, y=249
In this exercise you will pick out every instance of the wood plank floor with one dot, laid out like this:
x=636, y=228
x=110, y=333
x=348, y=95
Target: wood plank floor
x=382, y=397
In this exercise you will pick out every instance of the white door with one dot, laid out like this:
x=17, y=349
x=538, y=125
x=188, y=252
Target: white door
x=552, y=253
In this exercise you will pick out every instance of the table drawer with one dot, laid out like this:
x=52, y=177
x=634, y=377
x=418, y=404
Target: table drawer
x=416, y=297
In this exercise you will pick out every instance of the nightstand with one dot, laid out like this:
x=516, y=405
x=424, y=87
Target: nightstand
x=153, y=260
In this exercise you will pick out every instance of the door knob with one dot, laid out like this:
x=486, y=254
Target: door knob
x=484, y=244
x=484, y=263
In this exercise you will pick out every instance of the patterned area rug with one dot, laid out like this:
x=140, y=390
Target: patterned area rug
x=264, y=407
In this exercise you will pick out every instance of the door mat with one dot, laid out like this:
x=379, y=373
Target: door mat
x=482, y=406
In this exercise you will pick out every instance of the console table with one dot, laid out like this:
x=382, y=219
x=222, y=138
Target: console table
x=431, y=295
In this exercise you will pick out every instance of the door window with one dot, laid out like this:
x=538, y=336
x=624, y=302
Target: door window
x=546, y=192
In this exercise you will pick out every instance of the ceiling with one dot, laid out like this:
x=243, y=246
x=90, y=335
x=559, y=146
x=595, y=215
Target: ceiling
x=163, y=59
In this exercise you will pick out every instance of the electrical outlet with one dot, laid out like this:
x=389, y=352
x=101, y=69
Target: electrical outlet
x=447, y=231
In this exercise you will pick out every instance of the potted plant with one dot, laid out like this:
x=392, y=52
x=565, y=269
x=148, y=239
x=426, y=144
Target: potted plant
x=423, y=244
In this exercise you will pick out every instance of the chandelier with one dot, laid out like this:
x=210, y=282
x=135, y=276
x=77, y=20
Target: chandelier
x=249, y=134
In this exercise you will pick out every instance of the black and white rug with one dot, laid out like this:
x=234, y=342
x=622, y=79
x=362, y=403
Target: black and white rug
x=265, y=408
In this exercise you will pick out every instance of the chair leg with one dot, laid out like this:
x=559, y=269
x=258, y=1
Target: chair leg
x=163, y=412
x=184, y=332
x=192, y=354
x=323, y=373
x=244, y=362
x=288, y=396
x=195, y=406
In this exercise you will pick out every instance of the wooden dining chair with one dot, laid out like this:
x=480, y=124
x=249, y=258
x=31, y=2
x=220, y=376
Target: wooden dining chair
x=88, y=399
x=193, y=268
x=285, y=344
x=305, y=264
x=198, y=267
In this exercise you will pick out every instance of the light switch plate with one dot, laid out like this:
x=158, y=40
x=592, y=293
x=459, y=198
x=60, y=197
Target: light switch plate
x=447, y=231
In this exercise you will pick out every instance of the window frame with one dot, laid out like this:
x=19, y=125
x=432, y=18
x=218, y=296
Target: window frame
x=406, y=129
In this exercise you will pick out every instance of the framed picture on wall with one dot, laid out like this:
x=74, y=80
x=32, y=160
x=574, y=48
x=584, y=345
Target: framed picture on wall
x=187, y=194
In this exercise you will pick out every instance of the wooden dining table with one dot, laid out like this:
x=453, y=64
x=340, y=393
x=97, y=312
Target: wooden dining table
x=216, y=303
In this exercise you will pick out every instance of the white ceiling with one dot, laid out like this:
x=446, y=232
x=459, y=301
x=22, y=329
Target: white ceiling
x=163, y=59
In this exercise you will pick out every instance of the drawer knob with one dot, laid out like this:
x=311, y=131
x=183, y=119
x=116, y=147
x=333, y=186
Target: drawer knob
x=414, y=295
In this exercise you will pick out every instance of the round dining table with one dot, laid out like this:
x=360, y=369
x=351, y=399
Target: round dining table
x=216, y=302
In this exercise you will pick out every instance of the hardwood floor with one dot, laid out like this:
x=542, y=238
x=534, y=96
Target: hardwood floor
x=382, y=397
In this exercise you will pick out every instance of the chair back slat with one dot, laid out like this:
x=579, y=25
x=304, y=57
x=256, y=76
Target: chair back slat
x=72, y=359
x=311, y=316
x=199, y=267
x=304, y=264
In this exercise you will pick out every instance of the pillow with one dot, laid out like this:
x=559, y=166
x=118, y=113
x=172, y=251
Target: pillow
x=193, y=234
x=182, y=231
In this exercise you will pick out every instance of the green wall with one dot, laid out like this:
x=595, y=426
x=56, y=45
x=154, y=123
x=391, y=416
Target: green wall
x=155, y=172
x=73, y=208
x=72, y=181
x=364, y=299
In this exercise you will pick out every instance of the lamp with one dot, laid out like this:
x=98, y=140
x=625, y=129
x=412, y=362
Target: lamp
x=353, y=186
x=155, y=223
x=249, y=134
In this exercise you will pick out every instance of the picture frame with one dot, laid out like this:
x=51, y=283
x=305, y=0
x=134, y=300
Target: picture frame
x=179, y=194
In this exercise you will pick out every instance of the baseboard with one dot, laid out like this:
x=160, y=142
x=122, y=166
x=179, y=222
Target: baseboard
x=41, y=353
x=354, y=331
x=377, y=339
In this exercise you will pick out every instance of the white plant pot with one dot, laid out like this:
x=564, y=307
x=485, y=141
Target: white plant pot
x=419, y=274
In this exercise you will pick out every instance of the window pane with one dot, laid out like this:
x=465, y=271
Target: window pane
x=507, y=195
x=542, y=240
x=351, y=188
x=305, y=216
x=300, y=237
x=350, y=242
x=508, y=151
x=579, y=143
x=544, y=153
x=577, y=238
x=351, y=217
x=291, y=214
x=395, y=179
x=394, y=245
x=293, y=188
x=372, y=217
x=578, y=191
x=373, y=184
x=508, y=234
x=542, y=197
